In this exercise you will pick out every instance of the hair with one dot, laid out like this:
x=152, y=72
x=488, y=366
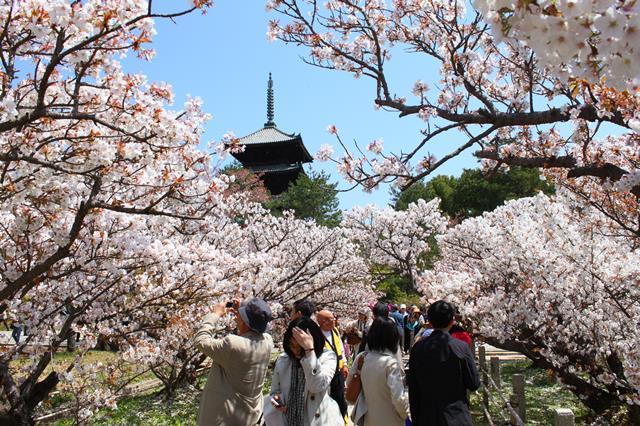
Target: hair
x=305, y=306
x=308, y=325
x=440, y=314
x=394, y=308
x=383, y=335
x=380, y=310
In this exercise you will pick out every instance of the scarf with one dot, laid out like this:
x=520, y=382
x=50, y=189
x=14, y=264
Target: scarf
x=411, y=326
x=296, y=404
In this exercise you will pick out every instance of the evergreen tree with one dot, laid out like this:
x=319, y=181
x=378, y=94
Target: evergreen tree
x=473, y=193
x=311, y=196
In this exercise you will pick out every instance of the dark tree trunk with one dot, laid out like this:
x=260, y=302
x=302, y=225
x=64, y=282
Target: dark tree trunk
x=593, y=397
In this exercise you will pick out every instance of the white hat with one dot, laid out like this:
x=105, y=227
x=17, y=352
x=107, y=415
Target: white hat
x=403, y=306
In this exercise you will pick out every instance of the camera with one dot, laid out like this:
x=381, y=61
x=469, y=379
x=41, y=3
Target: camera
x=229, y=305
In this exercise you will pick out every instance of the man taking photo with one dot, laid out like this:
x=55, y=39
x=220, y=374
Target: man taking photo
x=233, y=393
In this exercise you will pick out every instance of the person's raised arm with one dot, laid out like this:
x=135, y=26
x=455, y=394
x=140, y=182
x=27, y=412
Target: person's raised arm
x=205, y=340
x=317, y=373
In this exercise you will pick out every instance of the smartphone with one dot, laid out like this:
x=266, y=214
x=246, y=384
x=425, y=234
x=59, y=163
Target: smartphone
x=277, y=402
x=229, y=305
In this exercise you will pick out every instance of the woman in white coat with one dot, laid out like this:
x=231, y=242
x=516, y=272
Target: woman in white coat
x=383, y=400
x=301, y=380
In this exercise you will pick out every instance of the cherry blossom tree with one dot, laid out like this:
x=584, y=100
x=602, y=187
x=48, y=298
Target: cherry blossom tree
x=500, y=96
x=280, y=259
x=554, y=280
x=396, y=241
x=93, y=164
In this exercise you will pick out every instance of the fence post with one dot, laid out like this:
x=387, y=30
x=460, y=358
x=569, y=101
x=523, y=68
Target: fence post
x=495, y=371
x=517, y=381
x=563, y=417
x=482, y=355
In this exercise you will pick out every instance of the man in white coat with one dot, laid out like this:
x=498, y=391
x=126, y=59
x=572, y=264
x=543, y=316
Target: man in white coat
x=233, y=393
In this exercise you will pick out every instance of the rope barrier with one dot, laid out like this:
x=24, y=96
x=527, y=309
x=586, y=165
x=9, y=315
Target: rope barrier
x=515, y=417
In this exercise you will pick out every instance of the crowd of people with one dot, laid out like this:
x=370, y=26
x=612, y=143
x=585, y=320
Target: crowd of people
x=312, y=383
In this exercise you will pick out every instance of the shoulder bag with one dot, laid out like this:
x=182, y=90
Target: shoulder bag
x=355, y=385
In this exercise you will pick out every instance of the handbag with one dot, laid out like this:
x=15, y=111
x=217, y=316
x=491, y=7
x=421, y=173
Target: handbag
x=353, y=339
x=355, y=385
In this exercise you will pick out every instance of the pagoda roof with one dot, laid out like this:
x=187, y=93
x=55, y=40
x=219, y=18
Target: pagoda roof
x=270, y=145
x=275, y=168
x=268, y=134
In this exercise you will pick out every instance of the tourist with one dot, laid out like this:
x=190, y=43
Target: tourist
x=398, y=318
x=233, y=393
x=302, y=379
x=403, y=311
x=410, y=326
x=16, y=330
x=380, y=310
x=356, y=331
x=424, y=332
x=383, y=400
x=327, y=323
x=458, y=332
x=421, y=320
x=303, y=308
x=441, y=371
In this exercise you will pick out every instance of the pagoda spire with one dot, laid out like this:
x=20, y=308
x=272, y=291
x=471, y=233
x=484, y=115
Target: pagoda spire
x=270, y=122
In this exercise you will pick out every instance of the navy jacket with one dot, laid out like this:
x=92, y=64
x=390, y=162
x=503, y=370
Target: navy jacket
x=441, y=370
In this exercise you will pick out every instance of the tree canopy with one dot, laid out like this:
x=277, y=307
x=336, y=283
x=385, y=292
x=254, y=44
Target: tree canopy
x=474, y=193
x=311, y=196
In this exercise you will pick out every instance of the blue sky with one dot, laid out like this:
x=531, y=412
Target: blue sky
x=224, y=57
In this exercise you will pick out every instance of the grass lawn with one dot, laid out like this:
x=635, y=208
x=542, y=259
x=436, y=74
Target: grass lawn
x=542, y=393
x=151, y=408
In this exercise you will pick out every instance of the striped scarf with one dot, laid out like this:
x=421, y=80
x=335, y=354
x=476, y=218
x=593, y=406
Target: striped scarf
x=296, y=404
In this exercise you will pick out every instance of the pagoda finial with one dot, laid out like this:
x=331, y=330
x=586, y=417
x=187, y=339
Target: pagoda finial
x=270, y=122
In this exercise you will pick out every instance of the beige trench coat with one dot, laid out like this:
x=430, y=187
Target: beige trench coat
x=386, y=403
x=233, y=393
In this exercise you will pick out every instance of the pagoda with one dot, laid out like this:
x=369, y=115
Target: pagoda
x=275, y=156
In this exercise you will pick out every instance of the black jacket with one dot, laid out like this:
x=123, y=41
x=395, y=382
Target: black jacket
x=441, y=370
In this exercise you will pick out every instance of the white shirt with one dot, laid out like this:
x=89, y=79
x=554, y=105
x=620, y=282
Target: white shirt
x=329, y=336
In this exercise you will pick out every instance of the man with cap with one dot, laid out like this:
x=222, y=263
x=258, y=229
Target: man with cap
x=233, y=393
x=356, y=331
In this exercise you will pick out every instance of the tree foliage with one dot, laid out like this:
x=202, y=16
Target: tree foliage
x=311, y=196
x=474, y=193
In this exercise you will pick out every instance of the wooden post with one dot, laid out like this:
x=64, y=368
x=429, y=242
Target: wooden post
x=482, y=355
x=515, y=404
x=564, y=417
x=517, y=381
x=495, y=371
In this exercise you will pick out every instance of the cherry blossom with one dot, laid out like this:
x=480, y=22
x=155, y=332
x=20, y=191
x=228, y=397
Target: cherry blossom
x=592, y=40
x=491, y=88
x=399, y=240
x=555, y=280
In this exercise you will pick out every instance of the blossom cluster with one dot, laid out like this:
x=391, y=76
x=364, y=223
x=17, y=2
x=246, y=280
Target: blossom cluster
x=399, y=240
x=592, y=40
x=491, y=92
